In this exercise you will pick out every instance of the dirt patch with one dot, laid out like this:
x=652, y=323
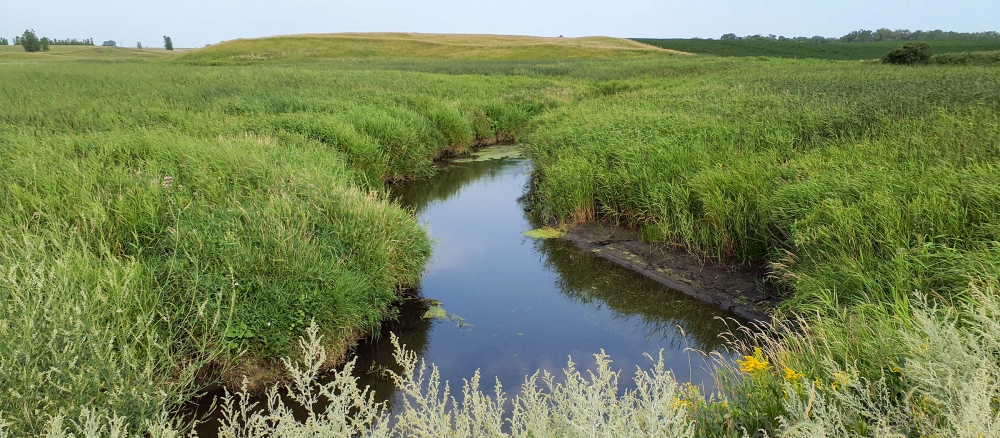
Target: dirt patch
x=737, y=289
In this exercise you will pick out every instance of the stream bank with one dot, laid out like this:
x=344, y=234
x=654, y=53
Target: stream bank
x=737, y=289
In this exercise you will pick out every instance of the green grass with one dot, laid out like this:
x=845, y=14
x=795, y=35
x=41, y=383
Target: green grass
x=860, y=183
x=832, y=51
x=120, y=284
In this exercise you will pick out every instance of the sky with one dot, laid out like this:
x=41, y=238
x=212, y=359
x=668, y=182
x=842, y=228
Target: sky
x=195, y=23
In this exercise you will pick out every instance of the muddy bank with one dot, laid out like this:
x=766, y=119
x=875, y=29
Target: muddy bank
x=735, y=289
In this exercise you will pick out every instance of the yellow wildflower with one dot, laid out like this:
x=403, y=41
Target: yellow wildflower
x=792, y=376
x=843, y=378
x=754, y=363
x=680, y=403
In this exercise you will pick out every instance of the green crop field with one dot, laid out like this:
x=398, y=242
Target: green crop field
x=188, y=213
x=788, y=49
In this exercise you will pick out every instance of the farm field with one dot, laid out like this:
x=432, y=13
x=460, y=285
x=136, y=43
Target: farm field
x=834, y=51
x=183, y=218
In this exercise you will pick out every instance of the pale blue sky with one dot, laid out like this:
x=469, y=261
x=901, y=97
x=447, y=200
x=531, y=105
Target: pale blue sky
x=194, y=23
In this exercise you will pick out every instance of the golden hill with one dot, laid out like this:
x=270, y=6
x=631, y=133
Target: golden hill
x=422, y=46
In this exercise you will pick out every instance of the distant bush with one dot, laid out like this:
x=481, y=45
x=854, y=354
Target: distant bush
x=30, y=41
x=4, y=42
x=908, y=54
x=168, y=43
x=44, y=42
x=109, y=43
x=967, y=58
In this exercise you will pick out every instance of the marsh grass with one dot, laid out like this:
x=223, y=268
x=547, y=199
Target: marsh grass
x=158, y=218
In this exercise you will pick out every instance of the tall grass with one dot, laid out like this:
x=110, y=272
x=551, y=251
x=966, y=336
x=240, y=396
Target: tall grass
x=166, y=224
x=860, y=184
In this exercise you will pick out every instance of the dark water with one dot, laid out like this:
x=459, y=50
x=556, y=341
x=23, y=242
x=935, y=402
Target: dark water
x=519, y=304
x=529, y=304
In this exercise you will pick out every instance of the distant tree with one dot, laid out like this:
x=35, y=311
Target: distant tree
x=908, y=54
x=138, y=45
x=729, y=37
x=30, y=41
x=858, y=36
x=71, y=42
x=109, y=43
x=4, y=42
x=44, y=42
x=168, y=43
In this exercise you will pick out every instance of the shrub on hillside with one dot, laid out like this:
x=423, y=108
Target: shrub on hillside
x=30, y=41
x=908, y=54
x=4, y=42
x=109, y=43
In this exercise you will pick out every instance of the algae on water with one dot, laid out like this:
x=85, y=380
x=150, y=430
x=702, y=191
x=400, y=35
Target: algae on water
x=545, y=233
x=435, y=312
x=488, y=153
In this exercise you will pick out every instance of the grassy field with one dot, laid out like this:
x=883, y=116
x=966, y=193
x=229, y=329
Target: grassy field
x=80, y=53
x=162, y=215
x=419, y=46
x=833, y=51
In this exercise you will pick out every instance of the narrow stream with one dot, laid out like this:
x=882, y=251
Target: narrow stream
x=517, y=304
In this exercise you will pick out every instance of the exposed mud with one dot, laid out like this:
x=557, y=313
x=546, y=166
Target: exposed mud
x=736, y=289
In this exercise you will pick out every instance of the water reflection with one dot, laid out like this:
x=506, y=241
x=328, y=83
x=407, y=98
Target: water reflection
x=531, y=304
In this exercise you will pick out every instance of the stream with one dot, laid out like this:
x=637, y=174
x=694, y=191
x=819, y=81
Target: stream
x=514, y=304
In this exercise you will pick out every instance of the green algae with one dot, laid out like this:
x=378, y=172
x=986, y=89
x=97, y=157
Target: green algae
x=435, y=312
x=545, y=233
x=498, y=152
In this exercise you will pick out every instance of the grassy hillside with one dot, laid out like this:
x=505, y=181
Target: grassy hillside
x=419, y=46
x=835, y=51
x=77, y=53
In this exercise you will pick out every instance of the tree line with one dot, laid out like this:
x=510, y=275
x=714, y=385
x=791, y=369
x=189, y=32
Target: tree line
x=883, y=34
x=31, y=43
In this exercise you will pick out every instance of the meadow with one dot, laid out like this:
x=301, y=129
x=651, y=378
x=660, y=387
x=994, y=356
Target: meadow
x=172, y=222
x=833, y=51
